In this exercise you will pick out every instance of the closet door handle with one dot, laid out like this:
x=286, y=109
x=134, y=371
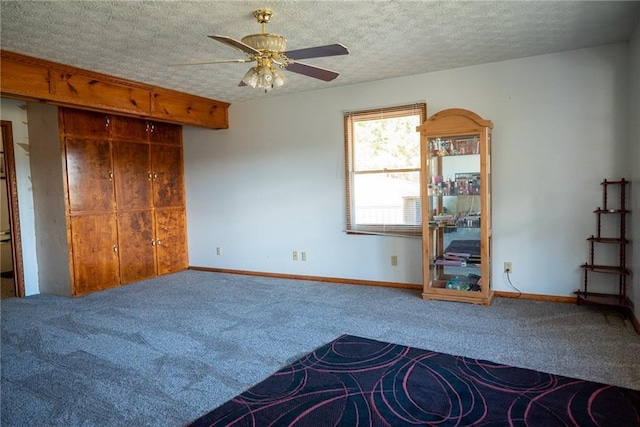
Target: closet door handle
x=159, y=242
x=149, y=175
x=153, y=242
x=115, y=248
x=110, y=175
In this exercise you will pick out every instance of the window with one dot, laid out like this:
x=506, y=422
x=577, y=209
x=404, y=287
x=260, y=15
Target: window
x=382, y=157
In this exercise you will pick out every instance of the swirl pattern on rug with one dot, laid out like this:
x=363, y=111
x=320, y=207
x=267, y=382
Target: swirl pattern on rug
x=355, y=381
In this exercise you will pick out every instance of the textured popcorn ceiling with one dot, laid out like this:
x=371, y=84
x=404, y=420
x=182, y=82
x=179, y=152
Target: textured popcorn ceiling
x=137, y=40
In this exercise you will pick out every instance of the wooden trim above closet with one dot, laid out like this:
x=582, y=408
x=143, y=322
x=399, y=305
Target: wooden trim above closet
x=34, y=79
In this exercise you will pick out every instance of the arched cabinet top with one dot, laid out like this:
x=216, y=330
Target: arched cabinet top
x=454, y=120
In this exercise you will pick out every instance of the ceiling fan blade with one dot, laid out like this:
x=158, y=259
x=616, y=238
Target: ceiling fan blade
x=312, y=71
x=222, y=61
x=241, y=84
x=237, y=44
x=318, y=51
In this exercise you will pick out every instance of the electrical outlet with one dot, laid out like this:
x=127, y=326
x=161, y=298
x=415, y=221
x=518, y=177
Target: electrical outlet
x=218, y=251
x=304, y=256
x=508, y=268
x=295, y=255
x=394, y=260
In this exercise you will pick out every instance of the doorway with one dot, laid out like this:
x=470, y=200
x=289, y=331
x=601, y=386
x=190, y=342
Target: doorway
x=12, y=270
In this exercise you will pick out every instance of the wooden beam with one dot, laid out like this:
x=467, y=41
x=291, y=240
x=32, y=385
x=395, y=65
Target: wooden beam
x=34, y=79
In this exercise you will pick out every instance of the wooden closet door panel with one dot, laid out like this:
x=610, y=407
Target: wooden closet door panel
x=89, y=174
x=129, y=128
x=165, y=133
x=171, y=238
x=85, y=123
x=136, y=245
x=94, y=239
x=168, y=177
x=132, y=175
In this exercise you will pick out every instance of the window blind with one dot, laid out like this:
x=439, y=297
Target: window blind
x=382, y=170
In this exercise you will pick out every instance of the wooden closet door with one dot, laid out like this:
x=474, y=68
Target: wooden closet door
x=168, y=176
x=85, y=123
x=165, y=133
x=89, y=174
x=137, y=245
x=129, y=129
x=171, y=240
x=94, y=240
x=132, y=175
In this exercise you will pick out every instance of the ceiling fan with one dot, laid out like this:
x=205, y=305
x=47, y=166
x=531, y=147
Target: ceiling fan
x=269, y=52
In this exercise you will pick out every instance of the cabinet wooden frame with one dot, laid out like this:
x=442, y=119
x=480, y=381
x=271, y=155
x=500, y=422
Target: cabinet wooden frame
x=448, y=124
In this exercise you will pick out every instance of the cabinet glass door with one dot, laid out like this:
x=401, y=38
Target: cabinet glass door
x=454, y=213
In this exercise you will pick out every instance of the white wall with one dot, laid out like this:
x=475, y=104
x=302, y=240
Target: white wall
x=274, y=181
x=634, y=167
x=268, y=188
x=15, y=112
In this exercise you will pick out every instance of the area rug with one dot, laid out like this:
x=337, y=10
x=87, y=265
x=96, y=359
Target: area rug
x=355, y=381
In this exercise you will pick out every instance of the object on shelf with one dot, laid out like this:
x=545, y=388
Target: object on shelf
x=457, y=256
x=451, y=262
x=463, y=184
x=472, y=247
x=471, y=282
x=467, y=183
x=454, y=145
x=471, y=220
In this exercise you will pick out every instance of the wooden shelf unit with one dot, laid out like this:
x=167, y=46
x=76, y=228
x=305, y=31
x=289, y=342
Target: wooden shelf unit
x=456, y=207
x=619, y=297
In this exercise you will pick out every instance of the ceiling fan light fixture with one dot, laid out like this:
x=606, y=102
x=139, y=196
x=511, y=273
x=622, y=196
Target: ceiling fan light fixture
x=265, y=78
x=279, y=79
x=251, y=78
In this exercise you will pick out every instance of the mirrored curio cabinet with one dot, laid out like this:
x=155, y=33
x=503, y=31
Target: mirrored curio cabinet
x=456, y=207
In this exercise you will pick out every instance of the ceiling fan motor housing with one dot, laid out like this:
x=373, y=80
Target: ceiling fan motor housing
x=268, y=42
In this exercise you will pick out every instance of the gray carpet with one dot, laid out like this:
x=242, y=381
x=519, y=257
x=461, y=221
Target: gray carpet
x=165, y=351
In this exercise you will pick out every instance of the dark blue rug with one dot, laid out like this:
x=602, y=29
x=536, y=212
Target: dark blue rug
x=355, y=381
